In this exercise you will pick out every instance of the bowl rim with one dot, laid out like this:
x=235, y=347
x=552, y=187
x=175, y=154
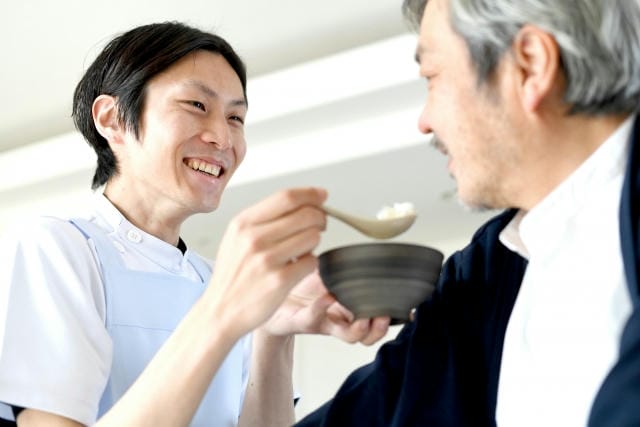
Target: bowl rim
x=355, y=246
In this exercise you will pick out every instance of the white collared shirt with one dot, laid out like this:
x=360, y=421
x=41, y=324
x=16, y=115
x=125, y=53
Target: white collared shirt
x=563, y=334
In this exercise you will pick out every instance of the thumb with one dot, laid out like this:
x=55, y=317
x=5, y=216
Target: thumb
x=320, y=306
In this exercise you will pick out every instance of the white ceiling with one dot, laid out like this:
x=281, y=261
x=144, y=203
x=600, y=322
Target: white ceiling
x=365, y=144
x=48, y=44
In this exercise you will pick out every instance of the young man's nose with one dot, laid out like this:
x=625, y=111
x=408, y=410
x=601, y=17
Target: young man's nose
x=217, y=132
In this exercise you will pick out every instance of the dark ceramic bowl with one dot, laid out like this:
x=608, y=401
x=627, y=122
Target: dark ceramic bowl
x=381, y=279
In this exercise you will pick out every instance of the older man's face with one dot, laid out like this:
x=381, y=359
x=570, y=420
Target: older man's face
x=473, y=123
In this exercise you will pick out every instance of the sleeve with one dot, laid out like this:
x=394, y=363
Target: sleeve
x=55, y=352
x=247, y=348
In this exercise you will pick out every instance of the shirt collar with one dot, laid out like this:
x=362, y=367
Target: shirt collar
x=527, y=230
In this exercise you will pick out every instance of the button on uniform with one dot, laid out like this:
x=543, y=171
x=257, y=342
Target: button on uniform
x=134, y=236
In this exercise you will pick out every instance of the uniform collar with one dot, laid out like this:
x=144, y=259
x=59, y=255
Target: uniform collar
x=136, y=239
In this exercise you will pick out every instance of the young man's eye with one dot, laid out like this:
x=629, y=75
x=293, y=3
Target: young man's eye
x=199, y=105
x=237, y=119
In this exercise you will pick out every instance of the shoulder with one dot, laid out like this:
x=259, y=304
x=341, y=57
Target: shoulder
x=48, y=258
x=485, y=245
x=479, y=268
x=45, y=233
x=43, y=228
x=50, y=246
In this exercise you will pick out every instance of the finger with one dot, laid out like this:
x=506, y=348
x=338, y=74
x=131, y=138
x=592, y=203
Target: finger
x=293, y=272
x=284, y=201
x=311, y=287
x=293, y=222
x=295, y=247
x=272, y=253
x=317, y=320
x=301, y=244
x=280, y=282
x=378, y=329
x=337, y=310
x=351, y=332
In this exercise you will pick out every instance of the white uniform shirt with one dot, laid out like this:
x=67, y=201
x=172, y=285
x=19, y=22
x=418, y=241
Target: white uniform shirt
x=52, y=309
x=563, y=334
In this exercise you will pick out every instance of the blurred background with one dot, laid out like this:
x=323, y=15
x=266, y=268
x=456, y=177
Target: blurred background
x=334, y=98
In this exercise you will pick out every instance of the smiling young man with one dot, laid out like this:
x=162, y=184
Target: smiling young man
x=537, y=321
x=110, y=318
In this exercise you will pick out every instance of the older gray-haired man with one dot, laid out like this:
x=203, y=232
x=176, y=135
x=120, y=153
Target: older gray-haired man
x=537, y=321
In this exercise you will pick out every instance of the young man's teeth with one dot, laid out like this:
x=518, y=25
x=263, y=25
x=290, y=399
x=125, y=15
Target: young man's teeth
x=204, y=167
x=212, y=169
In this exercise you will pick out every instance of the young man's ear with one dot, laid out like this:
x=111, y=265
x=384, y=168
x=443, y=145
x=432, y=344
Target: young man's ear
x=105, y=117
x=537, y=56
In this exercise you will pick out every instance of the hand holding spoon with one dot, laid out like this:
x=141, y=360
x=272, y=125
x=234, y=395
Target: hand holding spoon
x=384, y=227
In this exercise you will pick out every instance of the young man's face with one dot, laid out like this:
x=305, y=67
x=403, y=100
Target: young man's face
x=191, y=135
x=473, y=123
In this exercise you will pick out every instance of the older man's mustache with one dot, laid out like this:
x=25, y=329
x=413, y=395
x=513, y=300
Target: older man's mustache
x=437, y=143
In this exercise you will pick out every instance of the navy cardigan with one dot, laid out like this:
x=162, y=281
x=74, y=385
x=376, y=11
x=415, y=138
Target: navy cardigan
x=443, y=368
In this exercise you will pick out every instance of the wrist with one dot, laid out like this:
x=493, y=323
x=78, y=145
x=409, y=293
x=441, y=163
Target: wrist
x=267, y=340
x=214, y=317
x=272, y=349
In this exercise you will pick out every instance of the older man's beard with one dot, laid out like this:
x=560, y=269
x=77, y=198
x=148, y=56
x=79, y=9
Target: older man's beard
x=452, y=194
x=471, y=206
